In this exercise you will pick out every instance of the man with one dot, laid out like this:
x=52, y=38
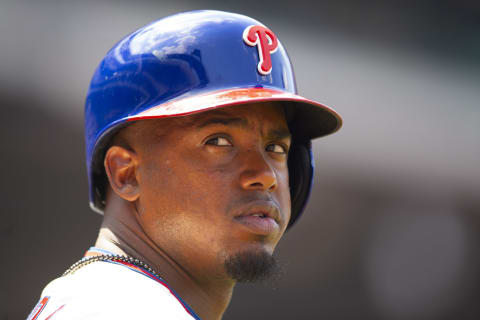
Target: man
x=199, y=157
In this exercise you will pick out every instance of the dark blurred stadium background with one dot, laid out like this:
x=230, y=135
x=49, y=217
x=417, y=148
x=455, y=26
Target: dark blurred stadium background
x=393, y=226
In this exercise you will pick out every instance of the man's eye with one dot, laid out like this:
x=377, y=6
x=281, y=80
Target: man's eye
x=218, y=141
x=276, y=148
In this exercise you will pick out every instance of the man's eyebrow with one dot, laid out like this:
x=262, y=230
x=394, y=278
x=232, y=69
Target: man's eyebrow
x=240, y=122
x=282, y=133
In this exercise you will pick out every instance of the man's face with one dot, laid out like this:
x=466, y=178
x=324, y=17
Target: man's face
x=214, y=186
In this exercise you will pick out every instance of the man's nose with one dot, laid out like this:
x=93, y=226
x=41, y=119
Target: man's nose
x=257, y=173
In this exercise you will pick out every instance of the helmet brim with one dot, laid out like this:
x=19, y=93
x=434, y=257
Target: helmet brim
x=309, y=118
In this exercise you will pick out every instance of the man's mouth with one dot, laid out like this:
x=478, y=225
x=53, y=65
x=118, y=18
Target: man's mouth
x=259, y=217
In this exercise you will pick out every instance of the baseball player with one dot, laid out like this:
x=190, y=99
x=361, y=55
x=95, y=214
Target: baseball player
x=199, y=157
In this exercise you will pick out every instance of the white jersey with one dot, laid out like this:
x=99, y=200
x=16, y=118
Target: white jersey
x=110, y=290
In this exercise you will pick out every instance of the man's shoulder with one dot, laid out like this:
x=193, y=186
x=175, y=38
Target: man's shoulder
x=104, y=290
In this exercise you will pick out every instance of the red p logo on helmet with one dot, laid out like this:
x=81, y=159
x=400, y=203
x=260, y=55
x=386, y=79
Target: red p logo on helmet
x=266, y=43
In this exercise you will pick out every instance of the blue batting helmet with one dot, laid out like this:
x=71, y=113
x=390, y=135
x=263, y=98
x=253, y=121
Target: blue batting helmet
x=193, y=62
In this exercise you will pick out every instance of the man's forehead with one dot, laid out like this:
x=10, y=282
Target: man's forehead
x=269, y=111
x=270, y=115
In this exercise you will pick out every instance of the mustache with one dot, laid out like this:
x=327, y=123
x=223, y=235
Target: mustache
x=245, y=200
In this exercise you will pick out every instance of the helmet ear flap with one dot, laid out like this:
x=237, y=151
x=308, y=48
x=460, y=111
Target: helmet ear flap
x=300, y=169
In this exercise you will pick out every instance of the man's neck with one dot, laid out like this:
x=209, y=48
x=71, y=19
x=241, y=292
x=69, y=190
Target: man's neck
x=122, y=234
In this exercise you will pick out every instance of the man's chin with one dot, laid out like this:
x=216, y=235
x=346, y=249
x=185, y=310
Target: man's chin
x=251, y=266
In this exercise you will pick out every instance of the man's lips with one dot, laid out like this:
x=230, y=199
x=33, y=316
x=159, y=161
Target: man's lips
x=260, y=216
x=266, y=207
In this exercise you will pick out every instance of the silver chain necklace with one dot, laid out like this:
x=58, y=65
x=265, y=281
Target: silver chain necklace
x=109, y=257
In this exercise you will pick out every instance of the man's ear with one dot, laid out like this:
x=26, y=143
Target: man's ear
x=121, y=168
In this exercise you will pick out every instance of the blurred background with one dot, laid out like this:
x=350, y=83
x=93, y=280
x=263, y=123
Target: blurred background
x=393, y=227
